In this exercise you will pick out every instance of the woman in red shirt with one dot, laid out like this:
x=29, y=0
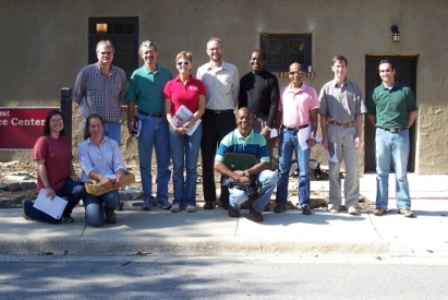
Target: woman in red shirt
x=184, y=106
x=55, y=172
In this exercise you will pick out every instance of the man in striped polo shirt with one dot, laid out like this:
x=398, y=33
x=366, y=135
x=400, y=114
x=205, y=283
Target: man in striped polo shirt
x=245, y=140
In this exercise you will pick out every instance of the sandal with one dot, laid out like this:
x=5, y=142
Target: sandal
x=175, y=208
x=191, y=208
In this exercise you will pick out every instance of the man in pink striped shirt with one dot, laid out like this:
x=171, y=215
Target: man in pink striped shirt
x=297, y=117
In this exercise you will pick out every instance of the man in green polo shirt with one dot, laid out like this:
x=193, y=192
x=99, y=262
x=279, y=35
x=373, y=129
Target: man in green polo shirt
x=392, y=108
x=146, y=92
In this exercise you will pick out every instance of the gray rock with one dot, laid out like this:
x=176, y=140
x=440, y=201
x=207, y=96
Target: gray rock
x=27, y=185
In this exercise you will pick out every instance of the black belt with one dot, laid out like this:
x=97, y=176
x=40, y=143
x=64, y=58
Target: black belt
x=295, y=128
x=393, y=130
x=151, y=114
x=219, y=111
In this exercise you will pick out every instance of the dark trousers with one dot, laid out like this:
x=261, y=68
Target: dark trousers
x=216, y=126
x=73, y=190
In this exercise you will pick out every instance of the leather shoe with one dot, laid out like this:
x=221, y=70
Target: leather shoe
x=209, y=205
x=234, y=212
x=406, y=212
x=110, y=216
x=256, y=216
x=246, y=204
x=279, y=208
x=306, y=210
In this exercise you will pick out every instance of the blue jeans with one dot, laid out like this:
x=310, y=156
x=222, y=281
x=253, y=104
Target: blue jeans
x=154, y=132
x=94, y=207
x=111, y=130
x=289, y=143
x=72, y=190
x=345, y=150
x=267, y=179
x=393, y=146
x=184, y=153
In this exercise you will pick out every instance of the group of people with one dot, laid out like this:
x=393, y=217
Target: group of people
x=180, y=115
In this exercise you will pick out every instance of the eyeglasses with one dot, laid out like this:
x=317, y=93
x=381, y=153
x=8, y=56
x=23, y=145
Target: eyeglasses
x=296, y=73
x=185, y=63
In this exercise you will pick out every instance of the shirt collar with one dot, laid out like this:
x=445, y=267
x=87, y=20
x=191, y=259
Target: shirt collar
x=238, y=134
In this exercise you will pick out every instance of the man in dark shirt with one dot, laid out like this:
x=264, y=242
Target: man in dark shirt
x=259, y=92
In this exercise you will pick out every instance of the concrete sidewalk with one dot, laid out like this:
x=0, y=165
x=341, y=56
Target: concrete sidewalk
x=213, y=232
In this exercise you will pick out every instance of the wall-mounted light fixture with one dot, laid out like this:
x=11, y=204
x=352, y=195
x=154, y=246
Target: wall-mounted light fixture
x=395, y=33
x=101, y=27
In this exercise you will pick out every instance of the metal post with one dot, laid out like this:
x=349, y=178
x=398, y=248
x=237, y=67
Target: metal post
x=66, y=110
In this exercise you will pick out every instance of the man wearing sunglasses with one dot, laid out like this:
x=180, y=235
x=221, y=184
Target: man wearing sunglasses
x=297, y=116
x=221, y=81
x=146, y=92
x=392, y=109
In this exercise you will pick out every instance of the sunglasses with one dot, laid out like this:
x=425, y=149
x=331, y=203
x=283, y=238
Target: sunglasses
x=185, y=63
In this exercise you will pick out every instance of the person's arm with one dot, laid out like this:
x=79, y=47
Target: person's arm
x=130, y=116
x=411, y=118
x=358, y=125
x=371, y=119
x=42, y=173
x=79, y=88
x=273, y=100
x=239, y=175
x=235, y=87
x=313, y=120
x=323, y=127
x=197, y=114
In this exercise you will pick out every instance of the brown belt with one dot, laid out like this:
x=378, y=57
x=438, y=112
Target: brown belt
x=343, y=125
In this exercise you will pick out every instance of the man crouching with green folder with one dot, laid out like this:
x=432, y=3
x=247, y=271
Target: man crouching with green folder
x=244, y=140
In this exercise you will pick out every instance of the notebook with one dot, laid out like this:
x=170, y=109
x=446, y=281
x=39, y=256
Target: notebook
x=239, y=161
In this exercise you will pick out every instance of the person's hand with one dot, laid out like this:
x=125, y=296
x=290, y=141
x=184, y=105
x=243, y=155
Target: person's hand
x=311, y=142
x=180, y=130
x=131, y=128
x=266, y=132
x=50, y=192
x=357, y=142
x=325, y=142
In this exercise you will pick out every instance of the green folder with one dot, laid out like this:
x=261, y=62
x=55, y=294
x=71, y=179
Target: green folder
x=239, y=161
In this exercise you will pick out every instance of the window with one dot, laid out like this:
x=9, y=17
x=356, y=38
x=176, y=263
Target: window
x=123, y=33
x=284, y=49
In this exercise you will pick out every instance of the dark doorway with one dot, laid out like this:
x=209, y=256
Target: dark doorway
x=123, y=33
x=405, y=67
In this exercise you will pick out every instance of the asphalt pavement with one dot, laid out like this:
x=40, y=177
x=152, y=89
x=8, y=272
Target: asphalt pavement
x=212, y=232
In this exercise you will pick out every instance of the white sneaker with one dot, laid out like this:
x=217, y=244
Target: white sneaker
x=333, y=208
x=352, y=210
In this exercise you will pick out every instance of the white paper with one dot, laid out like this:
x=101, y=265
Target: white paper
x=303, y=135
x=273, y=133
x=182, y=116
x=333, y=158
x=52, y=207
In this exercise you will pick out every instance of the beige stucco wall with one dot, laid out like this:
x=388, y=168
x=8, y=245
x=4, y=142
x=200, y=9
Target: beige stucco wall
x=44, y=44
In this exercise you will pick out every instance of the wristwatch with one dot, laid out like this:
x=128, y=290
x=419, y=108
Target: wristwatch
x=246, y=173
